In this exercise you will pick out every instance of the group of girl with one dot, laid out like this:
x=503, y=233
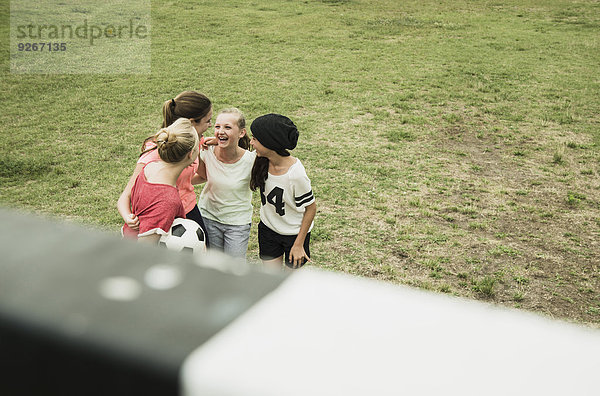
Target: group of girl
x=179, y=156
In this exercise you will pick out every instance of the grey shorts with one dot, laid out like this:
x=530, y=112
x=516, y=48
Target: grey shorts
x=231, y=239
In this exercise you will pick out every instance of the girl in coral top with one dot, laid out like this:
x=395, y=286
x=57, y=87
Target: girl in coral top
x=197, y=108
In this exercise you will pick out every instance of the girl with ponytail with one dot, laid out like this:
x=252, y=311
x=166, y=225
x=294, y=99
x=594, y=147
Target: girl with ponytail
x=197, y=109
x=155, y=201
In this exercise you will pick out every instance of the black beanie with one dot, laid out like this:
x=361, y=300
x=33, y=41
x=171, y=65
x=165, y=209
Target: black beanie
x=275, y=132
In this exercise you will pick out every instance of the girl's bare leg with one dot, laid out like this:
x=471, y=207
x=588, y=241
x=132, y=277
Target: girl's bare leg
x=274, y=264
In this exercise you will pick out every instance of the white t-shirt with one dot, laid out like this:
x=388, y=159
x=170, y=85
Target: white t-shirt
x=284, y=200
x=227, y=197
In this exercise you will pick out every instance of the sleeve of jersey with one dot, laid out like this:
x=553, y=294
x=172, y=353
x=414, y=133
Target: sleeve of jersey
x=303, y=194
x=160, y=219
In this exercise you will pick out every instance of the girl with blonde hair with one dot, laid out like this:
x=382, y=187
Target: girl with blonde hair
x=196, y=108
x=226, y=200
x=155, y=200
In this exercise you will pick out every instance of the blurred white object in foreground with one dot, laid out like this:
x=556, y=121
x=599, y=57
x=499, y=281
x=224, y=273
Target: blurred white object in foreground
x=329, y=334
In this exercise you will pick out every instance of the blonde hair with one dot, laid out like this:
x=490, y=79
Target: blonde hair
x=244, y=141
x=176, y=141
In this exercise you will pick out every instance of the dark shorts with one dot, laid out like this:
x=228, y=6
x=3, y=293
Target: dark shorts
x=272, y=245
x=195, y=215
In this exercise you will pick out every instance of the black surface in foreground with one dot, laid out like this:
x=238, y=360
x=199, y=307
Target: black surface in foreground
x=60, y=334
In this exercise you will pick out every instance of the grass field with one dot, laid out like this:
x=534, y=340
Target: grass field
x=453, y=146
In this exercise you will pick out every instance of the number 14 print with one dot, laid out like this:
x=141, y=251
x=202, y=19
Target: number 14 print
x=275, y=198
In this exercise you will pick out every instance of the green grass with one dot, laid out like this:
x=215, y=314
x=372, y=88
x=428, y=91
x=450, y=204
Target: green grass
x=485, y=286
x=451, y=145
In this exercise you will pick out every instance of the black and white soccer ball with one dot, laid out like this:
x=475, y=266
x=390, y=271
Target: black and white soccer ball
x=184, y=235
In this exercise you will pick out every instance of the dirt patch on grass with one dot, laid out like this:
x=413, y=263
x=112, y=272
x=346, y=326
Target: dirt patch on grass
x=483, y=213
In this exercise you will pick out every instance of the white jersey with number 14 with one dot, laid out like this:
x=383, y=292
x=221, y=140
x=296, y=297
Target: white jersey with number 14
x=284, y=200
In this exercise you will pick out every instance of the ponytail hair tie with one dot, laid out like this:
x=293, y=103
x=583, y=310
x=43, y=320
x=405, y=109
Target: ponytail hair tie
x=173, y=103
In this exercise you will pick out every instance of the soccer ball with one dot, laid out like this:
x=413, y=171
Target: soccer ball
x=184, y=235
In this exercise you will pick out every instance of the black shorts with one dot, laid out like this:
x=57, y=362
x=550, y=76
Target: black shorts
x=272, y=245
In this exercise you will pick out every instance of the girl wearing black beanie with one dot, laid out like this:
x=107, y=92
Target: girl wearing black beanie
x=288, y=205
